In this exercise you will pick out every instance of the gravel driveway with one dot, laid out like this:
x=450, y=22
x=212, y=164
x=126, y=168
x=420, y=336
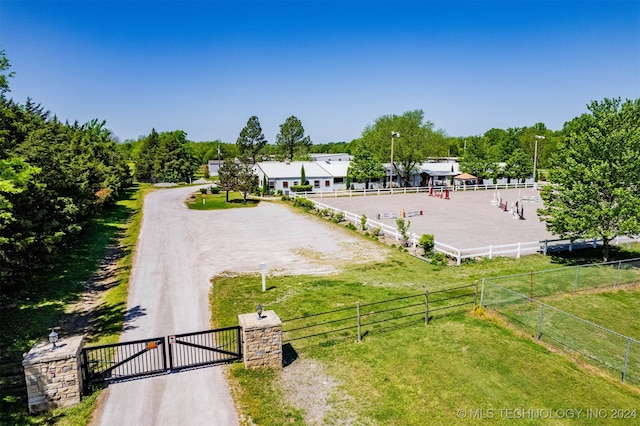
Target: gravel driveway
x=179, y=251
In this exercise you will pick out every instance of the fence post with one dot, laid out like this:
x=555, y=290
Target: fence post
x=475, y=294
x=482, y=294
x=458, y=257
x=519, y=246
x=626, y=360
x=539, y=332
x=426, y=307
x=490, y=252
x=546, y=243
x=575, y=283
x=617, y=274
x=531, y=285
x=358, y=320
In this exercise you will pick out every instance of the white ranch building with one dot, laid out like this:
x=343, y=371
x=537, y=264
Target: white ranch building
x=281, y=176
x=331, y=175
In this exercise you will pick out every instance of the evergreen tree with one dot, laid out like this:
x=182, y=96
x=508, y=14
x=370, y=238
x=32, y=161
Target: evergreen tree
x=291, y=139
x=251, y=140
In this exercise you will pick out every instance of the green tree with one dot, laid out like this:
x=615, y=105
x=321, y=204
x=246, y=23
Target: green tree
x=291, y=139
x=477, y=159
x=595, y=190
x=365, y=165
x=303, y=176
x=146, y=157
x=417, y=141
x=247, y=181
x=228, y=176
x=518, y=166
x=251, y=140
x=175, y=160
x=4, y=77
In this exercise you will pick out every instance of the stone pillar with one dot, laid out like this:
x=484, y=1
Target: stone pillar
x=261, y=340
x=53, y=375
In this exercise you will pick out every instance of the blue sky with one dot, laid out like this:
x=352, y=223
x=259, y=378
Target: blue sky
x=205, y=67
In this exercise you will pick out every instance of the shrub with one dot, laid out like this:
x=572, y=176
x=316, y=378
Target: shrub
x=438, y=259
x=376, y=232
x=426, y=241
x=363, y=222
x=402, y=226
x=338, y=217
x=279, y=191
x=285, y=198
x=203, y=190
x=214, y=189
x=303, y=202
x=351, y=226
x=301, y=188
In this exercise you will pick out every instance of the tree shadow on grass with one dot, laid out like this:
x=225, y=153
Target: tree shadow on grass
x=588, y=255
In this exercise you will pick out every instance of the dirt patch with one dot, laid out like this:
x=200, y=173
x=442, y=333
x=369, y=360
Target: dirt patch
x=80, y=316
x=307, y=386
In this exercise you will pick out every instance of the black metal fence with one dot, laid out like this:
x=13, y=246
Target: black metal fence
x=364, y=318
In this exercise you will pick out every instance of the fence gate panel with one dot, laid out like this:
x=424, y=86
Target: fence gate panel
x=120, y=361
x=217, y=346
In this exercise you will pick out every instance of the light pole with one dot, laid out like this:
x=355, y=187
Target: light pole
x=535, y=158
x=393, y=136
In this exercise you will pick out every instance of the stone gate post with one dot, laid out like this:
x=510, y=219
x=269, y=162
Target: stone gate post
x=53, y=375
x=261, y=339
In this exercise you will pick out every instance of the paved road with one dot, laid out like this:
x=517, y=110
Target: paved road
x=179, y=251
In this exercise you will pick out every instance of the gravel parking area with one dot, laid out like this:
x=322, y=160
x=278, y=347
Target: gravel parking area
x=466, y=220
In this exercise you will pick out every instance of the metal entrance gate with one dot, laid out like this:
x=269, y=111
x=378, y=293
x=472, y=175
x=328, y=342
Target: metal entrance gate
x=205, y=347
x=148, y=357
x=119, y=361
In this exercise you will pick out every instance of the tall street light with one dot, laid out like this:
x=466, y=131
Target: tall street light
x=393, y=136
x=535, y=158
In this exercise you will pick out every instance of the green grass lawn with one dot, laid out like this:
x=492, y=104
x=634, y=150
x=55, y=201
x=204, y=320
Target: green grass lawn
x=415, y=374
x=219, y=201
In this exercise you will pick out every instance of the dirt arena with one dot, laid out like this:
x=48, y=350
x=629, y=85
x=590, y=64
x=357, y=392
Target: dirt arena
x=466, y=220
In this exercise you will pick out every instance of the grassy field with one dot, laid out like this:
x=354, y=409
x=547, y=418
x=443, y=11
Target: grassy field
x=219, y=201
x=467, y=364
x=28, y=315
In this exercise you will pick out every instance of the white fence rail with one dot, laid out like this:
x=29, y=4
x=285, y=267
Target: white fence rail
x=515, y=249
x=413, y=190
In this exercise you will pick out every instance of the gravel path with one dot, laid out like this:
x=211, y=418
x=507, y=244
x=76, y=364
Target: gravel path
x=179, y=251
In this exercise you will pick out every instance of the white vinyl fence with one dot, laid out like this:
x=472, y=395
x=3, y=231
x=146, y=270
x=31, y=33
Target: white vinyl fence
x=515, y=249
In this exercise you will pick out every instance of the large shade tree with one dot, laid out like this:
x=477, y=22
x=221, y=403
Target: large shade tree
x=417, y=141
x=595, y=191
x=291, y=139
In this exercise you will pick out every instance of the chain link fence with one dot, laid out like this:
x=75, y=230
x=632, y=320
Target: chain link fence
x=520, y=303
x=572, y=279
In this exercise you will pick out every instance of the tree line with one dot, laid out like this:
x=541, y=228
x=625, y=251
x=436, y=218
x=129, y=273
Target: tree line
x=54, y=177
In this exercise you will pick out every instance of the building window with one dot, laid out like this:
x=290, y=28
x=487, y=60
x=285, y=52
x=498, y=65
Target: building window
x=295, y=183
x=316, y=184
x=285, y=184
x=338, y=180
x=327, y=183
